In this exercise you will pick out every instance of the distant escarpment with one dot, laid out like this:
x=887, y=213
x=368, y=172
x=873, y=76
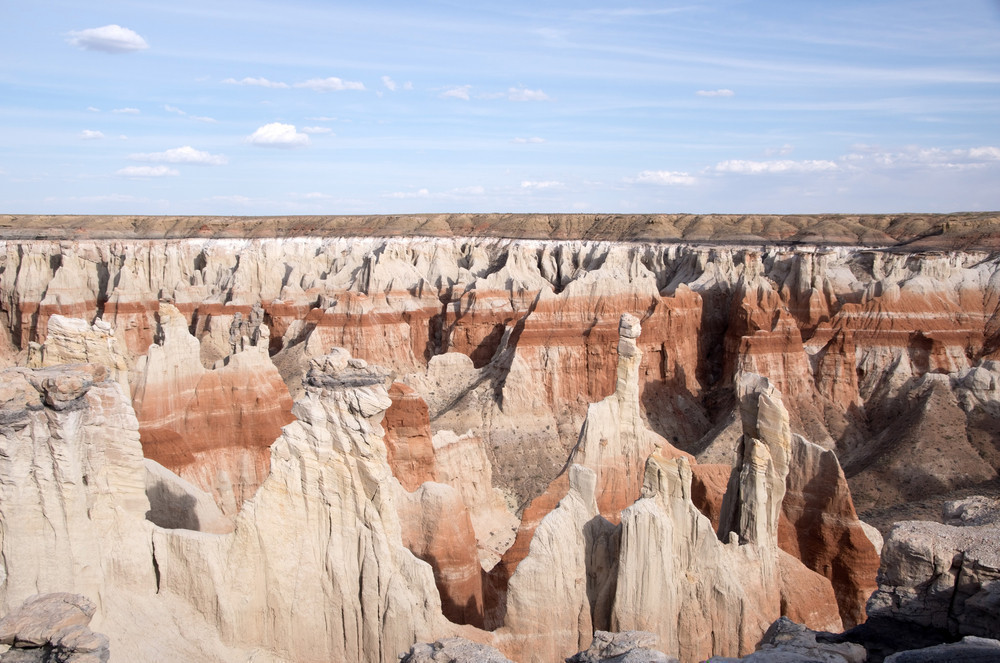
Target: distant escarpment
x=453, y=433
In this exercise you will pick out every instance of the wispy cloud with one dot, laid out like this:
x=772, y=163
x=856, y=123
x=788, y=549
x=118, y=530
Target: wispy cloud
x=93, y=109
x=91, y=134
x=126, y=111
x=457, y=92
x=723, y=92
x=312, y=195
x=322, y=118
x=186, y=154
x=178, y=111
x=534, y=140
x=524, y=94
x=278, y=135
x=109, y=39
x=774, y=167
x=317, y=130
x=331, y=84
x=389, y=84
x=545, y=184
x=665, y=178
x=147, y=171
x=874, y=157
x=256, y=82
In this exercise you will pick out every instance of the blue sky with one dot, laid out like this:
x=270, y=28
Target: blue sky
x=308, y=107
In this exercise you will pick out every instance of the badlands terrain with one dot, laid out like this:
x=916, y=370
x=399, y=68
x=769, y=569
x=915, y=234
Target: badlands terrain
x=340, y=438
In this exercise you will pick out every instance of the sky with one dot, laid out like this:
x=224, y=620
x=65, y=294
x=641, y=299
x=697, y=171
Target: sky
x=219, y=107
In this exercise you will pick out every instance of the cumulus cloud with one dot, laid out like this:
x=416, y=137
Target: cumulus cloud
x=524, y=94
x=774, y=167
x=186, y=154
x=723, y=92
x=109, y=39
x=523, y=141
x=147, y=171
x=126, y=111
x=277, y=134
x=256, y=82
x=317, y=130
x=457, y=92
x=90, y=134
x=331, y=84
x=665, y=178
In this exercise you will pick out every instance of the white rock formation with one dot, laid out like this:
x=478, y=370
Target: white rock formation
x=315, y=568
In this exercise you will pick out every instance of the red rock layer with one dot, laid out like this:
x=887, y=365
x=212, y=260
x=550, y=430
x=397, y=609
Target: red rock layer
x=436, y=528
x=407, y=427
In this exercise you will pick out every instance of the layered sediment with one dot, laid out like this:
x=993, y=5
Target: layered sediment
x=664, y=424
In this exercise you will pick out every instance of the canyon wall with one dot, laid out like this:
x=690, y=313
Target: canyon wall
x=486, y=428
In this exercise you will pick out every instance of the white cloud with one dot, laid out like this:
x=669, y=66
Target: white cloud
x=407, y=85
x=389, y=84
x=985, y=153
x=867, y=156
x=532, y=140
x=546, y=184
x=716, y=93
x=420, y=193
x=90, y=134
x=126, y=111
x=277, y=134
x=665, y=178
x=784, y=150
x=774, y=167
x=457, y=92
x=524, y=94
x=322, y=118
x=109, y=38
x=147, y=171
x=93, y=109
x=178, y=111
x=186, y=154
x=476, y=190
x=331, y=84
x=317, y=130
x=257, y=82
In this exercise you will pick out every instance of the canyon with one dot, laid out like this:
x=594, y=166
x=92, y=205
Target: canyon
x=332, y=438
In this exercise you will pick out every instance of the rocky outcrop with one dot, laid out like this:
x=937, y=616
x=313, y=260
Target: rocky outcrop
x=626, y=647
x=51, y=628
x=73, y=341
x=72, y=494
x=452, y=650
x=969, y=649
x=788, y=642
x=944, y=576
x=337, y=583
x=548, y=600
